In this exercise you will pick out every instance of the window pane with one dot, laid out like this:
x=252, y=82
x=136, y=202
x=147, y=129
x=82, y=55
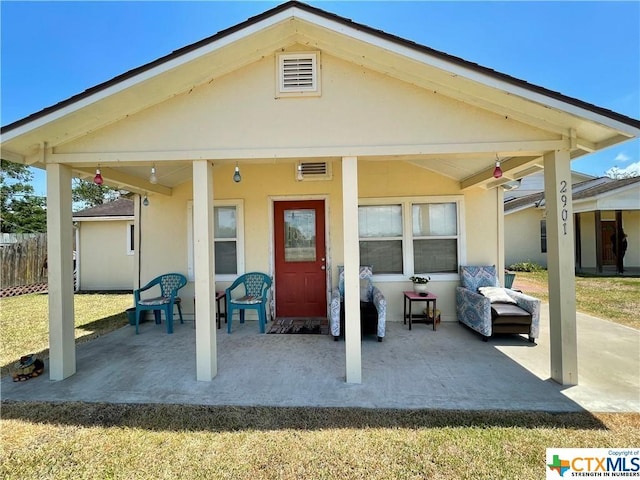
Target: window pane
x=300, y=235
x=226, y=258
x=225, y=222
x=383, y=256
x=435, y=256
x=380, y=221
x=435, y=219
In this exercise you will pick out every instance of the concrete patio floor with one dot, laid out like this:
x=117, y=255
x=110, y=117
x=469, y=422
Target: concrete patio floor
x=450, y=368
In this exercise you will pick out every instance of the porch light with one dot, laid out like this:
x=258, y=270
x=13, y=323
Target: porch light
x=98, y=180
x=145, y=201
x=236, y=174
x=497, y=172
x=153, y=178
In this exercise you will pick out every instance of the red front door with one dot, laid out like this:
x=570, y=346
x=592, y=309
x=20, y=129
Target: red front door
x=300, y=278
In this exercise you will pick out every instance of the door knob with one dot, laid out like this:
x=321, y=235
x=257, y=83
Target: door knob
x=323, y=267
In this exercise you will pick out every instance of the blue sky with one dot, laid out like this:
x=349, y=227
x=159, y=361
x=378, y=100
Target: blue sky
x=588, y=50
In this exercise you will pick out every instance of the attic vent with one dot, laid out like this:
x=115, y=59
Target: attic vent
x=298, y=74
x=313, y=171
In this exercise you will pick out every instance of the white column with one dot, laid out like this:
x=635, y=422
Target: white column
x=204, y=271
x=351, y=269
x=137, y=237
x=561, y=267
x=500, y=244
x=62, y=346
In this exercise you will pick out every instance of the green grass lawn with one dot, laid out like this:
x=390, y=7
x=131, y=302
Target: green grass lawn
x=24, y=322
x=616, y=299
x=97, y=441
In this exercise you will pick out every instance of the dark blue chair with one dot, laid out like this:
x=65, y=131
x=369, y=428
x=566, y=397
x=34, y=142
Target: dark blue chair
x=249, y=292
x=169, y=284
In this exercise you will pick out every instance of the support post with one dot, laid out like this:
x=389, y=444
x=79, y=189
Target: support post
x=561, y=267
x=597, y=215
x=351, y=270
x=204, y=271
x=62, y=346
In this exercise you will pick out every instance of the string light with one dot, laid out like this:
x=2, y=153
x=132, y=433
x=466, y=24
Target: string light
x=98, y=180
x=153, y=178
x=236, y=174
x=497, y=172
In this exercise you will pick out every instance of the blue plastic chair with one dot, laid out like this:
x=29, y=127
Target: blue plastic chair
x=169, y=284
x=252, y=290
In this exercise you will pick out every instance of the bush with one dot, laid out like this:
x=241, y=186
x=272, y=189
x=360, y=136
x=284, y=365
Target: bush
x=526, y=267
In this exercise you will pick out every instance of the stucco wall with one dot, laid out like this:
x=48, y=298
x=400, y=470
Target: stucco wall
x=357, y=107
x=103, y=260
x=164, y=222
x=522, y=237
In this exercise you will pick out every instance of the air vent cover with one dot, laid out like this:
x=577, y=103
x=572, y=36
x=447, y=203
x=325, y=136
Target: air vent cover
x=313, y=171
x=298, y=74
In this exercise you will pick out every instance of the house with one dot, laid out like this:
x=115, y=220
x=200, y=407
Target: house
x=534, y=183
x=378, y=150
x=601, y=206
x=105, y=246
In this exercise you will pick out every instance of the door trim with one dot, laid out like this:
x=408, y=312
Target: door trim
x=272, y=249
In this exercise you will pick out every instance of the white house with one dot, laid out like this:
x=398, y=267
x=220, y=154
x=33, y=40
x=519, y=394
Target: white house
x=105, y=246
x=602, y=207
x=387, y=147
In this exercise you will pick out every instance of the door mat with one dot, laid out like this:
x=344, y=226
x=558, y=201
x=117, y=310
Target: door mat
x=303, y=325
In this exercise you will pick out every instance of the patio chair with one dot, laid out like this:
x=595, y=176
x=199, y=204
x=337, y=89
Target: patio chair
x=498, y=310
x=373, y=306
x=248, y=292
x=169, y=284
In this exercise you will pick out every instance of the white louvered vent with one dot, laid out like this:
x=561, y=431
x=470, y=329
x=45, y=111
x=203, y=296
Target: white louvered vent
x=313, y=171
x=298, y=74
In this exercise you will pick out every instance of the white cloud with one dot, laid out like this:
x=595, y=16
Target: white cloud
x=622, y=157
x=632, y=170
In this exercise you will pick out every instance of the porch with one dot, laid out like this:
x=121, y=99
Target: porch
x=447, y=369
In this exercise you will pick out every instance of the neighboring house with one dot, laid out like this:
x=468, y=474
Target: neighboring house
x=534, y=183
x=600, y=206
x=105, y=244
x=350, y=146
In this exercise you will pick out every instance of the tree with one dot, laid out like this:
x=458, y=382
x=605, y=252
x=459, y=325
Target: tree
x=21, y=210
x=86, y=194
x=618, y=173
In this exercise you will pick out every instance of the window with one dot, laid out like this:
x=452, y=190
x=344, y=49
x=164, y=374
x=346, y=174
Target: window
x=228, y=239
x=380, y=229
x=411, y=236
x=435, y=237
x=131, y=238
x=543, y=236
x=297, y=74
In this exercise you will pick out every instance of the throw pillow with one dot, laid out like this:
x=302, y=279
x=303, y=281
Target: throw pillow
x=365, y=289
x=496, y=295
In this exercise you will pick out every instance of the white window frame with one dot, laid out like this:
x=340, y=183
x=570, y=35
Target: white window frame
x=407, y=234
x=311, y=91
x=131, y=231
x=239, y=204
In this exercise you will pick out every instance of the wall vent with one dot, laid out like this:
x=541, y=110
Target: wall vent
x=298, y=74
x=313, y=171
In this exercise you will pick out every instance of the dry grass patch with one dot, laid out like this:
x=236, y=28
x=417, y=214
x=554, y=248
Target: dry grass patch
x=70, y=441
x=24, y=322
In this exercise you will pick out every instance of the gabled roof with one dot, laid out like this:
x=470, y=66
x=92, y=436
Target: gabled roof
x=580, y=191
x=342, y=20
x=123, y=207
x=565, y=121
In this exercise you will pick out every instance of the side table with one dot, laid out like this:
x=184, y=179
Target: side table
x=220, y=296
x=409, y=298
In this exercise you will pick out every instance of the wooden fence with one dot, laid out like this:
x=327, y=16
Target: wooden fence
x=23, y=262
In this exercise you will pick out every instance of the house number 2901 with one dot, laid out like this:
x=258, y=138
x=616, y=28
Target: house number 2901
x=564, y=213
